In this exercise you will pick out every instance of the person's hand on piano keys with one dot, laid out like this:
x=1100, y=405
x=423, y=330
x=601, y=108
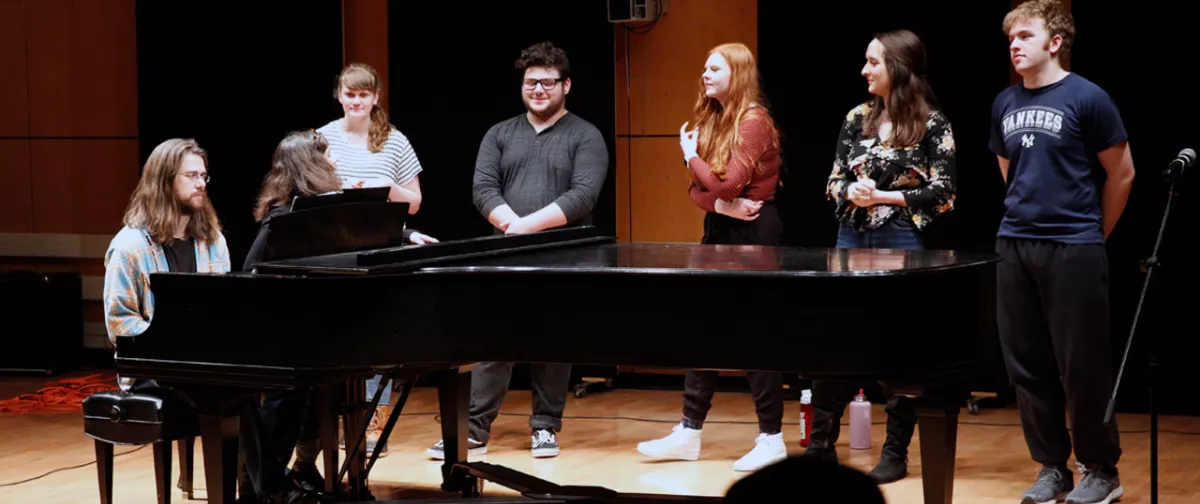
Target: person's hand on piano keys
x=420, y=238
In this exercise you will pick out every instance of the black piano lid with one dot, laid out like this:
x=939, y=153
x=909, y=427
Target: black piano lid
x=582, y=250
x=406, y=258
x=721, y=260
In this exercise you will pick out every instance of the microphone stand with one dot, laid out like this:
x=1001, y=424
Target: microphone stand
x=1148, y=266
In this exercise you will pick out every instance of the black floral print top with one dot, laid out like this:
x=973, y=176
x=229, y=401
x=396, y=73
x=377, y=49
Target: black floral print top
x=923, y=173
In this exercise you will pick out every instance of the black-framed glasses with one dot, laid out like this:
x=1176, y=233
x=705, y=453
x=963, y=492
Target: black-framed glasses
x=547, y=84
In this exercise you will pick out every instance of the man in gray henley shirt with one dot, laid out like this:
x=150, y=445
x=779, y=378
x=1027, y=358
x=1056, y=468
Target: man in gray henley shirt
x=539, y=170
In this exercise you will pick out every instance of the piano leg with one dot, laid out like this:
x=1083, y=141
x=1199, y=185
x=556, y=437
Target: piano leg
x=219, y=440
x=939, y=435
x=354, y=428
x=454, y=399
x=327, y=425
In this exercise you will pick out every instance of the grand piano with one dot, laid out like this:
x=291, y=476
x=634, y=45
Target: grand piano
x=331, y=317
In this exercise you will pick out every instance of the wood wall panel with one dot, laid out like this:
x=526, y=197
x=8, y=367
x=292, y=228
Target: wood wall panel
x=365, y=37
x=624, y=214
x=660, y=206
x=621, y=81
x=16, y=199
x=14, y=100
x=664, y=67
x=665, y=63
x=82, y=57
x=82, y=186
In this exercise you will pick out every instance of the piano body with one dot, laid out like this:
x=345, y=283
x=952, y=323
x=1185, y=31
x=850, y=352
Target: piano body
x=334, y=319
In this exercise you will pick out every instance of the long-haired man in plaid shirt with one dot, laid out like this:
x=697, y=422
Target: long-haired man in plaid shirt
x=170, y=225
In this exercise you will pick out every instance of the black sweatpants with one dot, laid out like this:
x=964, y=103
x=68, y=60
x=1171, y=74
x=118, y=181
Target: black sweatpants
x=766, y=388
x=1053, y=316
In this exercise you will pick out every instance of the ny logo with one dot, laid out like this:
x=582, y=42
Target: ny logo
x=1027, y=140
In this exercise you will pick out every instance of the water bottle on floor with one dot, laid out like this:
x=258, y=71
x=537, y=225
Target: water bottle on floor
x=860, y=422
x=806, y=414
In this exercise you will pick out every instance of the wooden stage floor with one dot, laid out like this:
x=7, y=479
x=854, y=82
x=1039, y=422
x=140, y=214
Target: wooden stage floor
x=599, y=448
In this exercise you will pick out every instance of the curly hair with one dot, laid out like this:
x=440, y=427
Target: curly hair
x=547, y=55
x=1053, y=14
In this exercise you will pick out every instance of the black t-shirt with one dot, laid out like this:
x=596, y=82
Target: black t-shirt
x=181, y=255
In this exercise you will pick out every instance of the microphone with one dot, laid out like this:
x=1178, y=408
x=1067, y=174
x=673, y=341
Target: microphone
x=1181, y=163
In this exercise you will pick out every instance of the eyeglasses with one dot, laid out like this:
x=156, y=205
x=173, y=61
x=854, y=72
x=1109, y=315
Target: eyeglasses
x=547, y=84
x=197, y=176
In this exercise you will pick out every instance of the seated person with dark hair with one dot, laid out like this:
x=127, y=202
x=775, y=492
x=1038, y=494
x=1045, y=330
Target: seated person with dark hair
x=805, y=479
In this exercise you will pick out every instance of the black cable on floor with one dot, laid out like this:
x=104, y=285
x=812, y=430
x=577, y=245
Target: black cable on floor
x=437, y=418
x=40, y=476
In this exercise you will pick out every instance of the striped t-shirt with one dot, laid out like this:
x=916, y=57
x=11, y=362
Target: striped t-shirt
x=396, y=164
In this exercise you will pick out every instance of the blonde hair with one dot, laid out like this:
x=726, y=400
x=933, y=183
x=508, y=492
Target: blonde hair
x=153, y=205
x=361, y=77
x=718, y=125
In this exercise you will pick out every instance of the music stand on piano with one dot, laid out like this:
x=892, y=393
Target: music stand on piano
x=347, y=221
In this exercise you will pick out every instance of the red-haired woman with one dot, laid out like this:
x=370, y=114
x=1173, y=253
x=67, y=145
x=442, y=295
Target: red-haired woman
x=732, y=155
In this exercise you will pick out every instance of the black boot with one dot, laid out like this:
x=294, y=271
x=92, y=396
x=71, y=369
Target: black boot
x=828, y=404
x=893, y=461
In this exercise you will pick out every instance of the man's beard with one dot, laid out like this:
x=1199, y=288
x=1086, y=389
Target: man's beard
x=188, y=208
x=552, y=108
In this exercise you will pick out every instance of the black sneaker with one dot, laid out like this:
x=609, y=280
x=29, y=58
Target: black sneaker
x=1098, y=486
x=544, y=444
x=474, y=449
x=1052, y=484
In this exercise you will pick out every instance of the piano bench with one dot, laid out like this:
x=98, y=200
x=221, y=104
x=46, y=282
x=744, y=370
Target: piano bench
x=152, y=415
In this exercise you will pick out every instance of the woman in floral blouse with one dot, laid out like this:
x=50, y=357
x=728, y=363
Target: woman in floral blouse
x=893, y=174
x=894, y=169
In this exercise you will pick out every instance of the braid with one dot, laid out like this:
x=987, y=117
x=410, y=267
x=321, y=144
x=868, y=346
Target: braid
x=380, y=129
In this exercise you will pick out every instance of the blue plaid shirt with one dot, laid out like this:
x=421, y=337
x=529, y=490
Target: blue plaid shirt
x=131, y=257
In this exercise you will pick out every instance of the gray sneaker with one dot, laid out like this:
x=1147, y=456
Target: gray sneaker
x=544, y=444
x=1098, y=486
x=474, y=449
x=1052, y=484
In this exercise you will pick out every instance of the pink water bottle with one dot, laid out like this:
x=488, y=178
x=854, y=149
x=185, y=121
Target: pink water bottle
x=860, y=423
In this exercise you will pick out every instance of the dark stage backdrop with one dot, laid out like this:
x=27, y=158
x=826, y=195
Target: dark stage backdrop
x=451, y=82
x=1137, y=54
x=811, y=75
x=811, y=66
x=237, y=79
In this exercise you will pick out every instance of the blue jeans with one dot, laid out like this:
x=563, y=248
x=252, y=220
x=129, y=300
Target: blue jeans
x=373, y=385
x=898, y=233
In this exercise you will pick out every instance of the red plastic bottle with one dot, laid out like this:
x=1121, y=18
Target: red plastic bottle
x=806, y=414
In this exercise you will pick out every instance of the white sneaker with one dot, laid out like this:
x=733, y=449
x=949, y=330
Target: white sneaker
x=682, y=444
x=768, y=449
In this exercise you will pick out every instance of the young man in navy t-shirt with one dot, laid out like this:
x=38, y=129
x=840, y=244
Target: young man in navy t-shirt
x=1064, y=155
